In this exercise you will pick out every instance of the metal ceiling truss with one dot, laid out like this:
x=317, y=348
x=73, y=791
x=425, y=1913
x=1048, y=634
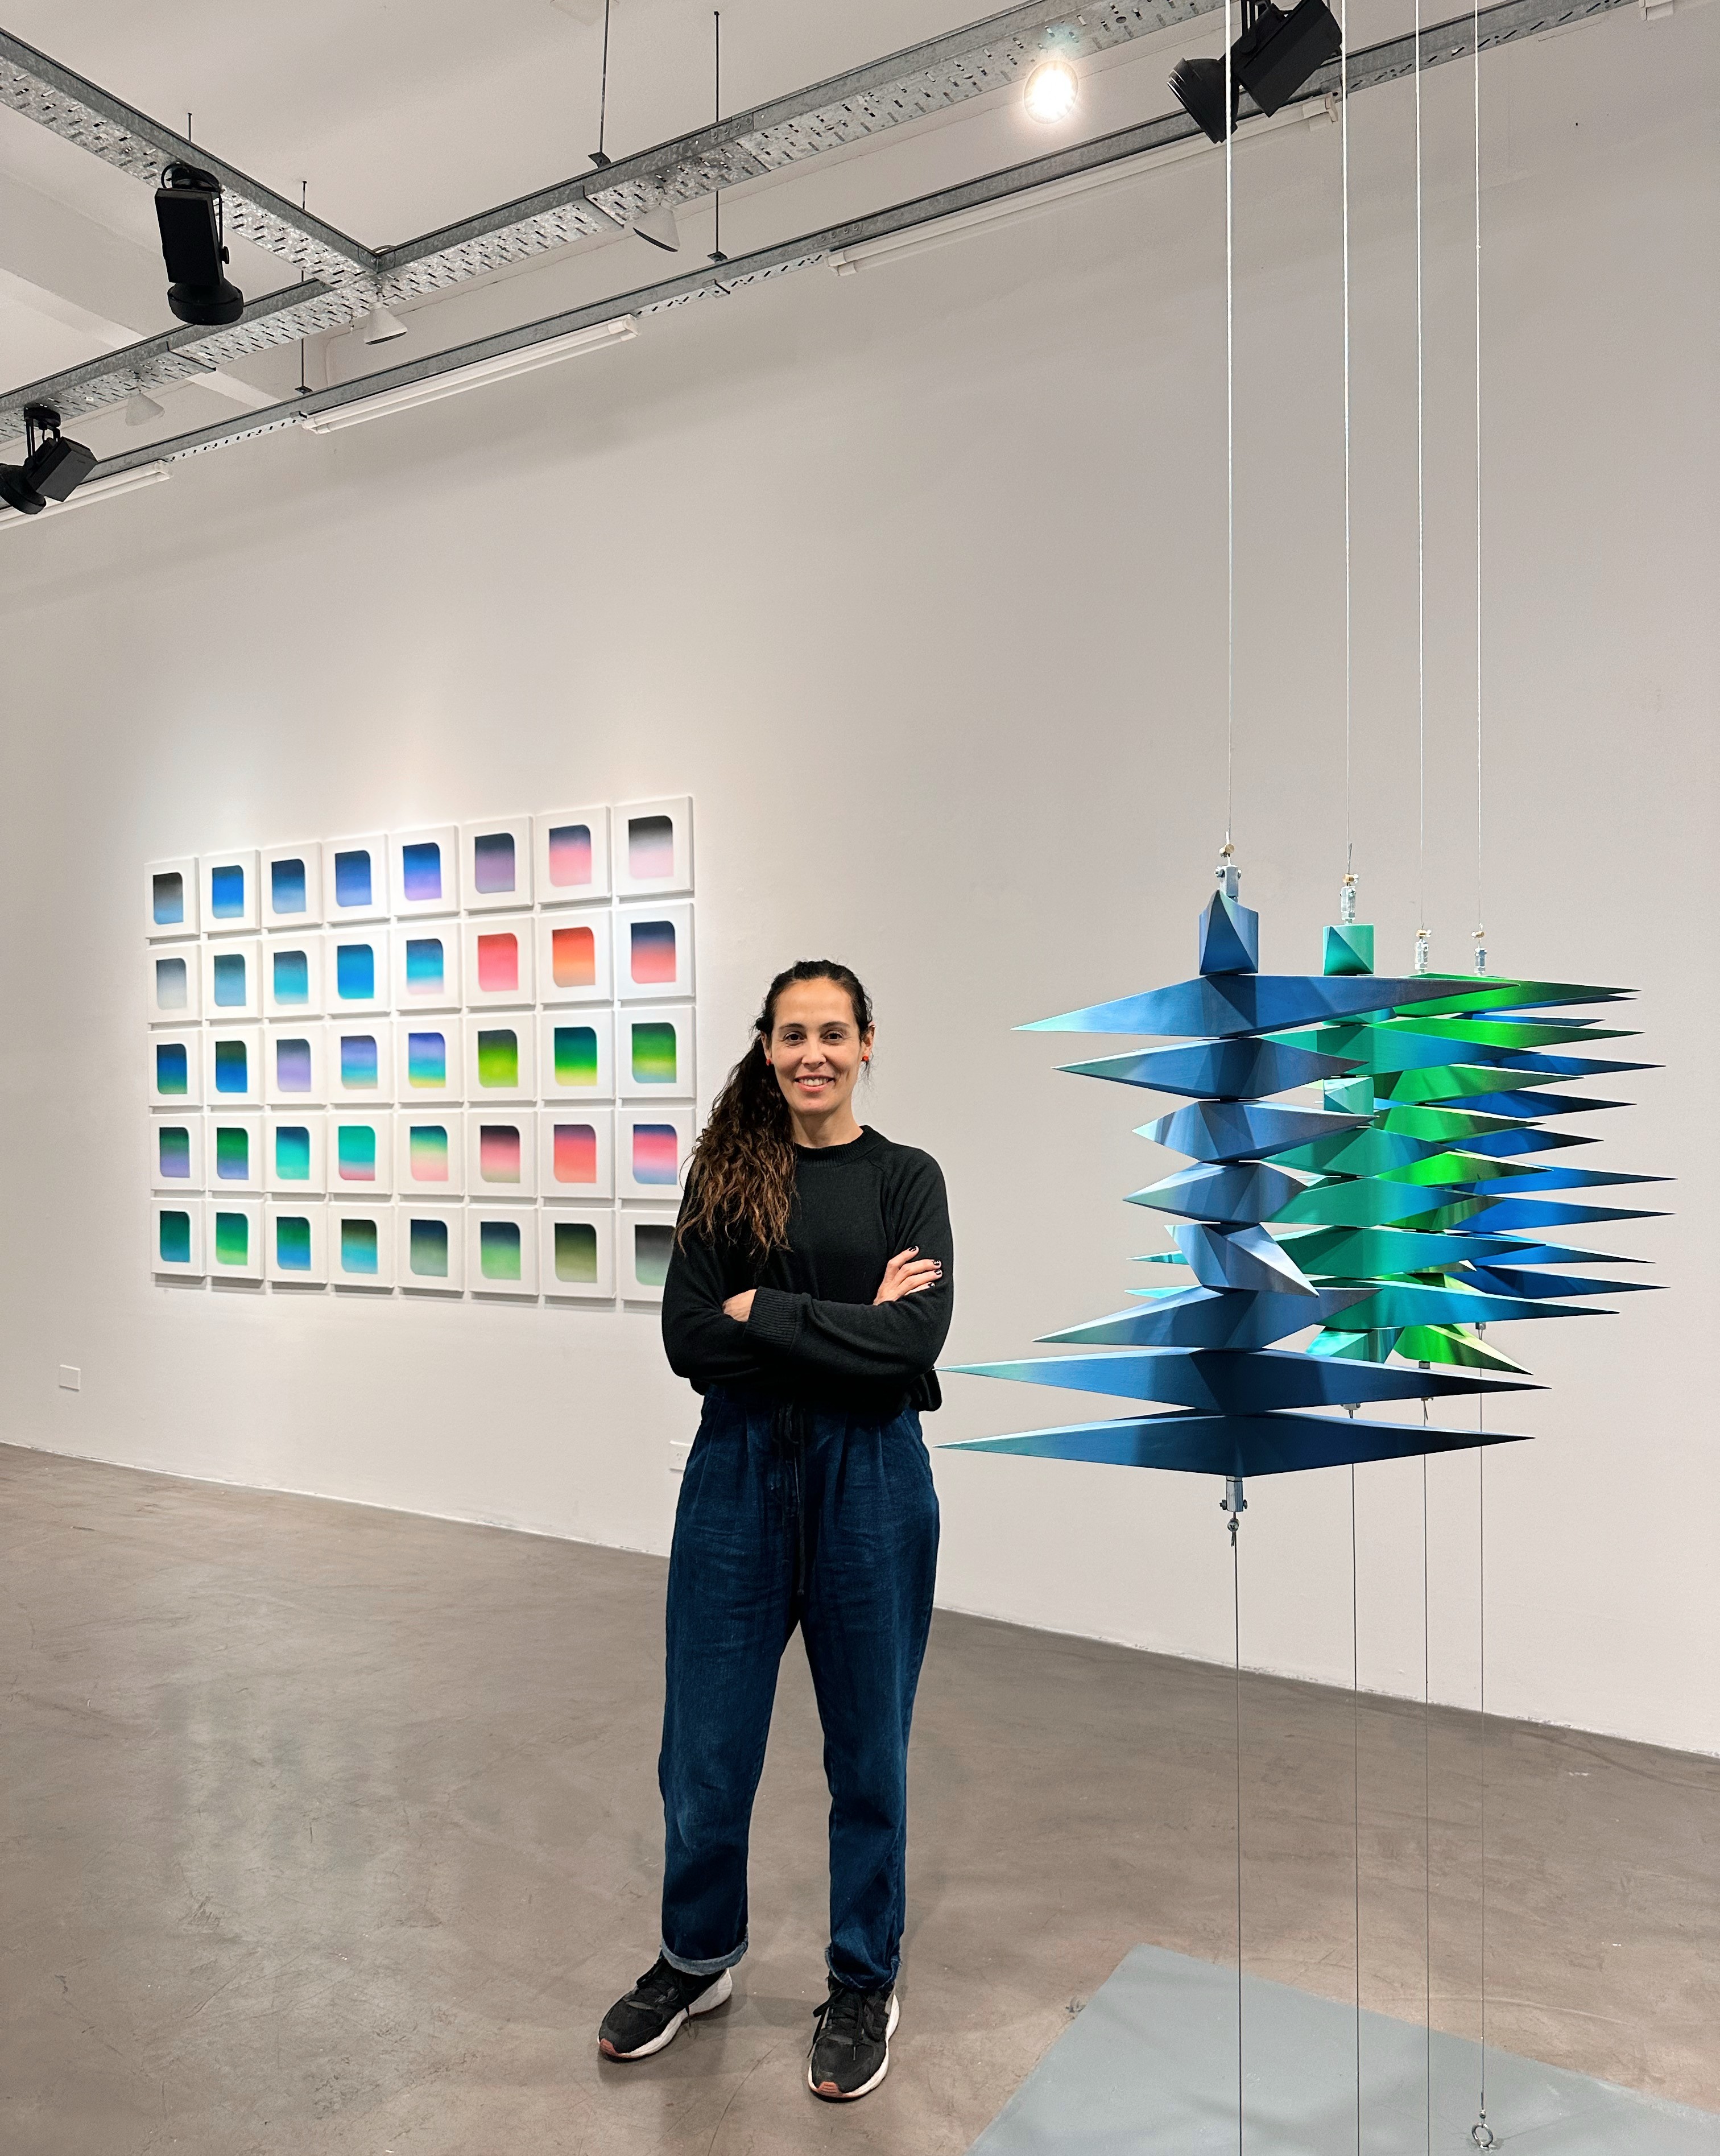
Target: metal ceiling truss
x=1372, y=68
x=344, y=277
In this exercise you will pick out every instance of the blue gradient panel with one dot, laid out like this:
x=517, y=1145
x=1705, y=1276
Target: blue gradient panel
x=358, y=1062
x=352, y=878
x=292, y=1242
x=233, y=1067
x=167, y=900
x=426, y=966
x=421, y=872
x=292, y=976
x=358, y=1248
x=427, y=1060
x=227, y=893
x=287, y=886
x=229, y=972
x=356, y=972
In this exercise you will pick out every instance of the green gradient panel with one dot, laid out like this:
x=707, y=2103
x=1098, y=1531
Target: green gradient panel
x=576, y=1055
x=292, y=1242
x=498, y=1250
x=576, y=1252
x=653, y=1054
x=499, y=1057
x=427, y=1250
x=233, y=1240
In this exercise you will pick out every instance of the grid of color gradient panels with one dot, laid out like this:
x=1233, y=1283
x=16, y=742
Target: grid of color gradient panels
x=453, y=1061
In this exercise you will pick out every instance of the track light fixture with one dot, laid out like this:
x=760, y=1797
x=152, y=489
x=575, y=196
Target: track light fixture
x=659, y=226
x=381, y=327
x=189, y=212
x=51, y=466
x=1051, y=89
x=1272, y=60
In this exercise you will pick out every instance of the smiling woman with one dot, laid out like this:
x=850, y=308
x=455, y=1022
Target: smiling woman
x=807, y=1298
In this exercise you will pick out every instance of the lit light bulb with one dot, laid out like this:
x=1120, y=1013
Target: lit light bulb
x=1051, y=90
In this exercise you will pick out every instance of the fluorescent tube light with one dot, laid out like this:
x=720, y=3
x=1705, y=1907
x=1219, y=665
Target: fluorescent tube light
x=529, y=357
x=94, y=490
x=919, y=237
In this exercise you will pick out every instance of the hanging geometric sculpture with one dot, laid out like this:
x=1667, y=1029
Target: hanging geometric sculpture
x=1403, y=1216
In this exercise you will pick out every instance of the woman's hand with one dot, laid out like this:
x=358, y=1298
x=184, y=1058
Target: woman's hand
x=907, y=1274
x=739, y=1306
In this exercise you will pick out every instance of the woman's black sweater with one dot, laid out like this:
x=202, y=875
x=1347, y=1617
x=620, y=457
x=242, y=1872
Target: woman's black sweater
x=815, y=1336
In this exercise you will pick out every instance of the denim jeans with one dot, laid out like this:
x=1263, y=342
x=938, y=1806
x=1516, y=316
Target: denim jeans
x=786, y=1516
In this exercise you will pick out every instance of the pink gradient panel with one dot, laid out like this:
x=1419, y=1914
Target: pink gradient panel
x=570, y=855
x=653, y=953
x=575, y=1154
x=654, y=1154
x=499, y=964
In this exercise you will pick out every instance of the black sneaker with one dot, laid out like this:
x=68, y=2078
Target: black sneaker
x=850, y=2046
x=652, y=2013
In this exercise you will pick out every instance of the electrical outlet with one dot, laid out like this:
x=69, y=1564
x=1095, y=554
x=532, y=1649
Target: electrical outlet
x=679, y=1448
x=71, y=1378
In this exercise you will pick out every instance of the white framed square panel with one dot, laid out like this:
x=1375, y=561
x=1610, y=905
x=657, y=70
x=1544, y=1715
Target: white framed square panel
x=227, y=892
x=361, y=1244
x=170, y=898
x=577, y=1253
x=291, y=886
x=423, y=871
x=173, y=982
x=176, y=1070
x=292, y=977
x=501, y=1250
x=651, y=1150
x=500, y=1062
x=575, y=1154
x=654, y=848
x=355, y=968
x=295, y=1074
x=496, y=863
x=233, y=1153
x=355, y=879
x=361, y=1155
x=176, y=1236
x=429, y=1065
x=233, y=1238
x=233, y=979
x=233, y=1066
x=294, y=1245
x=430, y=1247
x=496, y=954
x=572, y=854
x=645, y=1242
x=426, y=966
x=429, y=1154
x=176, y=1153
x=294, y=1162
x=501, y=1155
x=360, y=1053
x=653, y=1052
x=576, y=1055
x=575, y=955
x=654, y=952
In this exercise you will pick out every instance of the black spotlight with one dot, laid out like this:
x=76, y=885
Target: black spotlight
x=1274, y=56
x=189, y=211
x=51, y=466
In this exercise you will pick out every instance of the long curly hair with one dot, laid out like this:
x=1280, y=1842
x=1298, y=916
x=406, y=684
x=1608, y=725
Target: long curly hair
x=741, y=1179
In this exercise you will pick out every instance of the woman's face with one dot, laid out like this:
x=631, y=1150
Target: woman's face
x=816, y=1049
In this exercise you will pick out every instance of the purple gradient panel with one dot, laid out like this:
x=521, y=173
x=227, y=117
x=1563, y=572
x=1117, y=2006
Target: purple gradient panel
x=292, y=1066
x=493, y=862
x=421, y=871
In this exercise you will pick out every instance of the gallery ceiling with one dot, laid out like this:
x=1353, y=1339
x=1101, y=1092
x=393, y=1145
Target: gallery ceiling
x=397, y=119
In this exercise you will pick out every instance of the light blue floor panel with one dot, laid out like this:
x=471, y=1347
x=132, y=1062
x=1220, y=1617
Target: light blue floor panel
x=1150, y=2065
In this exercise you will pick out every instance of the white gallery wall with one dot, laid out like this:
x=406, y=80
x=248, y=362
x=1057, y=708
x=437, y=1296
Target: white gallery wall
x=914, y=581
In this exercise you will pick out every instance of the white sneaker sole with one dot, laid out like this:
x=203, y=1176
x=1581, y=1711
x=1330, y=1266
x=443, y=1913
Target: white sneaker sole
x=848, y=2096
x=713, y=1996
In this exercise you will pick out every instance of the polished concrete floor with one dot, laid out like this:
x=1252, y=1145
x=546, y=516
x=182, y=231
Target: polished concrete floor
x=333, y=1831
